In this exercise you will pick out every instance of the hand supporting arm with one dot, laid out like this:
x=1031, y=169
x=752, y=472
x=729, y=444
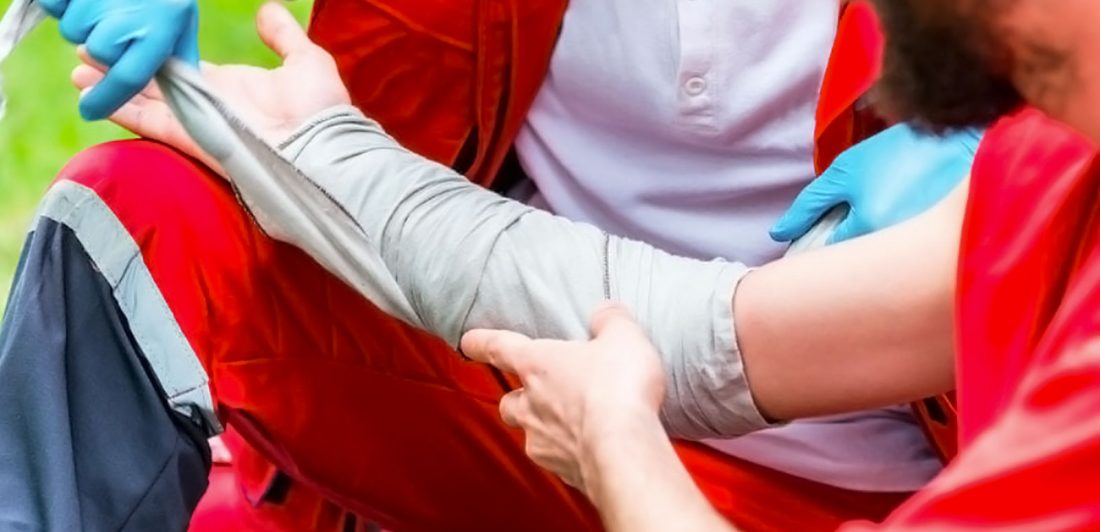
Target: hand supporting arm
x=627, y=465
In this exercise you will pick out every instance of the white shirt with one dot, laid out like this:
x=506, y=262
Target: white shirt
x=689, y=124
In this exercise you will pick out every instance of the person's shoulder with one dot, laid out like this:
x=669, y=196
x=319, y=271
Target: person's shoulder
x=1029, y=145
x=1026, y=157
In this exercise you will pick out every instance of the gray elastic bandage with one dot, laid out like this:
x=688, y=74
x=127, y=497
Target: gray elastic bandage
x=438, y=252
x=466, y=258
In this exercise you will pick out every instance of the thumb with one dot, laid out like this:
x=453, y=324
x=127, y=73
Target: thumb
x=818, y=198
x=613, y=320
x=280, y=31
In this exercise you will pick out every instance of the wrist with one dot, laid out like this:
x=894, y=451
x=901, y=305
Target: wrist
x=606, y=439
x=300, y=134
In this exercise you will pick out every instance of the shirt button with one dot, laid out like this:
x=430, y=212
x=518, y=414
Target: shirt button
x=695, y=86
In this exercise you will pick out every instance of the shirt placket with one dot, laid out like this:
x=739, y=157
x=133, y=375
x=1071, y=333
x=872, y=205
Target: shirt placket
x=696, y=80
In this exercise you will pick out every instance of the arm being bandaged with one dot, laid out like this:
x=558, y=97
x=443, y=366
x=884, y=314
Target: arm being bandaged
x=434, y=250
x=467, y=258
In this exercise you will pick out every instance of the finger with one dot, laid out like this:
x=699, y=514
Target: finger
x=513, y=407
x=87, y=59
x=613, y=324
x=811, y=204
x=187, y=45
x=971, y=138
x=78, y=20
x=502, y=349
x=280, y=31
x=56, y=8
x=108, y=40
x=126, y=78
x=153, y=119
x=146, y=118
x=84, y=76
x=88, y=74
x=614, y=320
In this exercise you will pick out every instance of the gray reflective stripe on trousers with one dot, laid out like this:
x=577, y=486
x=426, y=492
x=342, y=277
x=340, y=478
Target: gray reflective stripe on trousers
x=117, y=256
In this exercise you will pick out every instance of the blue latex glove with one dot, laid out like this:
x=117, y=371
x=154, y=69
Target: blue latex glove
x=884, y=180
x=131, y=37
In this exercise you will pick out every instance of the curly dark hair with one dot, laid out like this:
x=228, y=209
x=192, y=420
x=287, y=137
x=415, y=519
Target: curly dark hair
x=941, y=71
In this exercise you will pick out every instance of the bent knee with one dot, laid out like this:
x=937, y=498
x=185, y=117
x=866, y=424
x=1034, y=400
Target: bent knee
x=150, y=185
x=146, y=176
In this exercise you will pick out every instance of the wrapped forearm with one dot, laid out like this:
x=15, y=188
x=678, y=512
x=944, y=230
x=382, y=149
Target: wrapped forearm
x=467, y=258
x=435, y=251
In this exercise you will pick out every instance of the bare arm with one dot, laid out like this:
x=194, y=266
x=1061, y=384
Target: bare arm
x=858, y=325
x=638, y=484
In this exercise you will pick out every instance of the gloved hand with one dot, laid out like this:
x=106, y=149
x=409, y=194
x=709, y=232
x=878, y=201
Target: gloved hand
x=131, y=37
x=886, y=179
x=274, y=103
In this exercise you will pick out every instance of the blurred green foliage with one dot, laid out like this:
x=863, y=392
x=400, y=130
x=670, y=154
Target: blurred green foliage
x=42, y=129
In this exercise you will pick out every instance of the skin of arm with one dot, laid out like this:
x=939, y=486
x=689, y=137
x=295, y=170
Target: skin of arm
x=862, y=324
x=637, y=482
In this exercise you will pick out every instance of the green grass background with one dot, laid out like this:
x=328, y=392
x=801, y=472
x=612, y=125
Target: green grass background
x=42, y=129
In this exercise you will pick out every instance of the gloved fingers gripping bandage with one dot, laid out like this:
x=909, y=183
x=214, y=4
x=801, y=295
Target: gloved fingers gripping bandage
x=440, y=253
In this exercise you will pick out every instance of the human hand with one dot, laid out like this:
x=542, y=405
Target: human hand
x=575, y=394
x=884, y=180
x=132, y=38
x=272, y=102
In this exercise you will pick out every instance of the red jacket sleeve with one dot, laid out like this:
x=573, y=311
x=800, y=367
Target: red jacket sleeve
x=1037, y=467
